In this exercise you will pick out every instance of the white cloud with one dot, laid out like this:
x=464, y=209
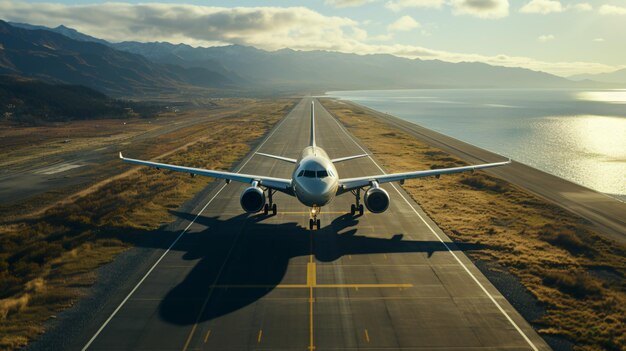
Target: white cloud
x=612, y=10
x=481, y=8
x=545, y=38
x=398, y=5
x=582, y=7
x=347, y=3
x=542, y=6
x=403, y=24
x=598, y=40
x=268, y=28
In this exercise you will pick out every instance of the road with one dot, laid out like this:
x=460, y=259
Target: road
x=233, y=281
x=601, y=210
x=66, y=170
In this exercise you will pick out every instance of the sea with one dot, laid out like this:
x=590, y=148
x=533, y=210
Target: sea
x=578, y=135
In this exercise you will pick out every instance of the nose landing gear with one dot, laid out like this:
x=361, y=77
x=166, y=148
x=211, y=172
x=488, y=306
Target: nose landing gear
x=314, y=221
x=270, y=206
x=357, y=206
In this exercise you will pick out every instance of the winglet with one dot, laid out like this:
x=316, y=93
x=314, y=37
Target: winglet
x=121, y=157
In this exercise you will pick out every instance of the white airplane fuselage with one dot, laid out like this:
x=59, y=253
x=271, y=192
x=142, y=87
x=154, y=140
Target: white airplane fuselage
x=315, y=179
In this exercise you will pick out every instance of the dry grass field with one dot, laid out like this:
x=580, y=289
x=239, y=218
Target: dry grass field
x=576, y=274
x=47, y=259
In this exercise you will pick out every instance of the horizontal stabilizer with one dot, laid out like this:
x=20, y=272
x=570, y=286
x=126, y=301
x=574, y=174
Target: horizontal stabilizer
x=286, y=159
x=341, y=159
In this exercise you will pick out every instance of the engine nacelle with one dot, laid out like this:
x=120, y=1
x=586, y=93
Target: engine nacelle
x=376, y=199
x=252, y=199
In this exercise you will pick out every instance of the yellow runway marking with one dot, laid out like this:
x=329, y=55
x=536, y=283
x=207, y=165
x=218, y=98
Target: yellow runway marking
x=258, y=339
x=316, y=286
x=367, y=336
x=206, y=337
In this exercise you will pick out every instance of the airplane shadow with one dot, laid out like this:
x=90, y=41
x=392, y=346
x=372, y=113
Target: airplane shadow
x=245, y=251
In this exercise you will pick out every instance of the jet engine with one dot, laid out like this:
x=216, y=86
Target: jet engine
x=252, y=199
x=376, y=199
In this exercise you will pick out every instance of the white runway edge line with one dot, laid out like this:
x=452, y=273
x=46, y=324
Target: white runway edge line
x=93, y=338
x=482, y=287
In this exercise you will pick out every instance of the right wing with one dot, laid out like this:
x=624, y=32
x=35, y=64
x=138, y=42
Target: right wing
x=354, y=183
x=280, y=184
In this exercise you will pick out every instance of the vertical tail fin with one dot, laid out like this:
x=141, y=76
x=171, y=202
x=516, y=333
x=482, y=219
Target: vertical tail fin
x=312, y=137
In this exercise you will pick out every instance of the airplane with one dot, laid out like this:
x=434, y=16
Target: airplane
x=315, y=181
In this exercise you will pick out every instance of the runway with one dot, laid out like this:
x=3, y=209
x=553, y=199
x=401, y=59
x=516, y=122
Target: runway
x=232, y=281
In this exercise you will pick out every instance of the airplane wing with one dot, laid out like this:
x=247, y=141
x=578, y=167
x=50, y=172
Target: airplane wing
x=280, y=184
x=354, y=183
x=341, y=159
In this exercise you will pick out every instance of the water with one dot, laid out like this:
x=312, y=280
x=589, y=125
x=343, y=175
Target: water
x=578, y=135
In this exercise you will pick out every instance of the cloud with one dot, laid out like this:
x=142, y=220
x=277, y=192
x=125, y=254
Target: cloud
x=403, y=24
x=481, y=8
x=582, y=7
x=268, y=28
x=612, y=10
x=346, y=3
x=545, y=38
x=398, y=5
x=542, y=6
x=598, y=40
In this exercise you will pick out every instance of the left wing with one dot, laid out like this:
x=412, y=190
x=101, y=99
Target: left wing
x=280, y=184
x=286, y=159
x=341, y=159
x=354, y=183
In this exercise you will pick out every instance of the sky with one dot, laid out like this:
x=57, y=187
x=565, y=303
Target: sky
x=558, y=37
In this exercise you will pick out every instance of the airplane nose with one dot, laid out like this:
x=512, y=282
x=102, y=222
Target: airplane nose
x=316, y=191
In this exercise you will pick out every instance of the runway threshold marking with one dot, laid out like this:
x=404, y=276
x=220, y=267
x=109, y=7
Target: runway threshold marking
x=480, y=285
x=117, y=309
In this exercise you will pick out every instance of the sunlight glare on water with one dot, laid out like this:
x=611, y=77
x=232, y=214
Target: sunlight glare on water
x=594, y=146
x=610, y=96
x=577, y=135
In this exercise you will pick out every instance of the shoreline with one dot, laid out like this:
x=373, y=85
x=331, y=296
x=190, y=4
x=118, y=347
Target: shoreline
x=603, y=211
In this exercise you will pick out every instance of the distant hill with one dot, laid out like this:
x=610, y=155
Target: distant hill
x=333, y=70
x=617, y=77
x=32, y=101
x=55, y=57
x=66, y=31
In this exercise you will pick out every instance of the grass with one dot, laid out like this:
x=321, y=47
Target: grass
x=48, y=260
x=573, y=271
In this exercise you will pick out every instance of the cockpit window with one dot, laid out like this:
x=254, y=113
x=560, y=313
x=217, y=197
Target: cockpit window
x=309, y=174
x=322, y=174
x=300, y=174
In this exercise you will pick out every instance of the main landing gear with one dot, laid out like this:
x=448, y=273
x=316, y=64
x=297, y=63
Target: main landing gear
x=270, y=206
x=357, y=206
x=314, y=221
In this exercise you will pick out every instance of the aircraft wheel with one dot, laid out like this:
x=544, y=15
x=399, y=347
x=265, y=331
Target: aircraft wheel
x=352, y=209
x=361, y=209
x=274, y=209
x=318, y=224
x=311, y=224
x=266, y=209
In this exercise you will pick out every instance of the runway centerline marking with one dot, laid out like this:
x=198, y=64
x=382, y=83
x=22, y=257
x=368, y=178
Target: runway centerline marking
x=482, y=287
x=119, y=307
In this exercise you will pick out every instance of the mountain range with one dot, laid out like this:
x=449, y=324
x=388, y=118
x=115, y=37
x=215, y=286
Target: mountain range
x=65, y=55
x=54, y=57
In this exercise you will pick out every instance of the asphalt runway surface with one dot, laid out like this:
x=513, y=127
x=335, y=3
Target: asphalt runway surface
x=233, y=281
x=605, y=212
